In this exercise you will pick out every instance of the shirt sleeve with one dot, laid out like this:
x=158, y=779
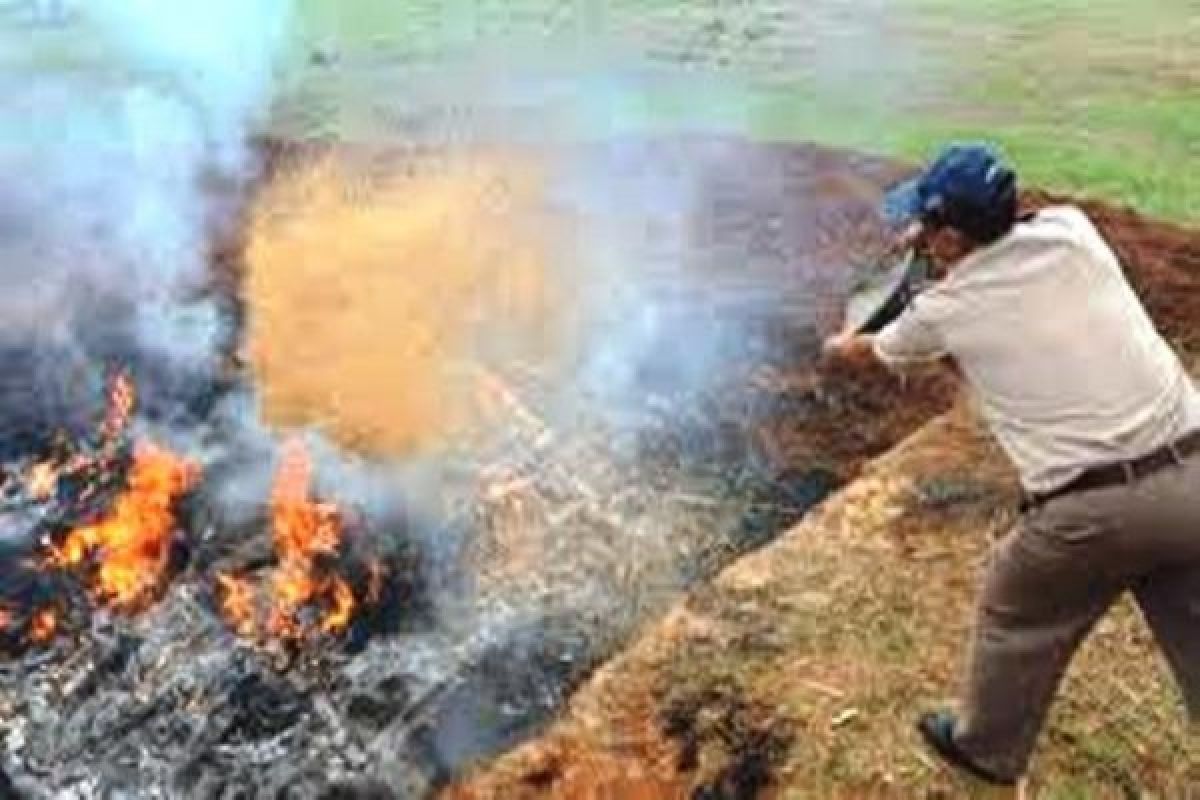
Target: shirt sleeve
x=910, y=339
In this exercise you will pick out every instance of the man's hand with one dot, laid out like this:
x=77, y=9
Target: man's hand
x=855, y=352
x=911, y=236
x=849, y=350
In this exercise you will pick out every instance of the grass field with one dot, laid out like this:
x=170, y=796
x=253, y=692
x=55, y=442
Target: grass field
x=1099, y=97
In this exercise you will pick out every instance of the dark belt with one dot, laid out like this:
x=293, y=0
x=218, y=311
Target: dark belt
x=1123, y=472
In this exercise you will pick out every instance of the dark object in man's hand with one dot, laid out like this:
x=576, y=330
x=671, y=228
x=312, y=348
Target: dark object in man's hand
x=883, y=297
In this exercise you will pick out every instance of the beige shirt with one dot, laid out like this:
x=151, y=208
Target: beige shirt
x=1066, y=365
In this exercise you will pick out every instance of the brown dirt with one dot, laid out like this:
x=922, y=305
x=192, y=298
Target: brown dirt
x=796, y=672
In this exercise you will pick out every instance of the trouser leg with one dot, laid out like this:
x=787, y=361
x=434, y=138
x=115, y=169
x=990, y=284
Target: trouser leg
x=1170, y=601
x=1035, y=609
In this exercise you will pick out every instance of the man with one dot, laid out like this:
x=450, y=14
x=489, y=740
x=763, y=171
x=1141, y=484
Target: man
x=1097, y=414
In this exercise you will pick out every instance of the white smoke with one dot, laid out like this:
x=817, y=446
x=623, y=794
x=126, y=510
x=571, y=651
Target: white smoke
x=119, y=168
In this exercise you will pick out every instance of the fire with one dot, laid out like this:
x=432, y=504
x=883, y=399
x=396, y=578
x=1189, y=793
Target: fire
x=339, y=616
x=302, y=595
x=238, y=604
x=302, y=529
x=44, y=477
x=131, y=545
x=124, y=556
x=126, y=553
x=303, y=532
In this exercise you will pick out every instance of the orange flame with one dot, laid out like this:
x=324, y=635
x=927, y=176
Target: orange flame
x=339, y=616
x=303, y=531
x=238, y=604
x=132, y=544
x=301, y=528
x=125, y=555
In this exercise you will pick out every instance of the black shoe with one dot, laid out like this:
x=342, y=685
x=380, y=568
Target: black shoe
x=937, y=729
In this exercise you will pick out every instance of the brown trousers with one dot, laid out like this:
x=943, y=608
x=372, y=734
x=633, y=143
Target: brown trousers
x=1052, y=578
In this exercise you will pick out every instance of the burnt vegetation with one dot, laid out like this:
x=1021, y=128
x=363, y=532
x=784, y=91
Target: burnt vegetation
x=191, y=607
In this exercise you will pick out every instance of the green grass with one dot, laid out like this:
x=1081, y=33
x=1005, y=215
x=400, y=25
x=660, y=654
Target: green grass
x=1096, y=98
x=1152, y=177
x=1091, y=96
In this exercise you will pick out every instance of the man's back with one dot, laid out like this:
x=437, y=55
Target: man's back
x=1068, y=368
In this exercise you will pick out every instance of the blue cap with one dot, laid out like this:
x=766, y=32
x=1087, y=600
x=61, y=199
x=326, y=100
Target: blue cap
x=968, y=187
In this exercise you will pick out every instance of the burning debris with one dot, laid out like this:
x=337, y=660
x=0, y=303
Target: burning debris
x=128, y=542
x=147, y=592
x=303, y=595
x=43, y=626
x=109, y=518
x=76, y=471
x=193, y=632
x=126, y=554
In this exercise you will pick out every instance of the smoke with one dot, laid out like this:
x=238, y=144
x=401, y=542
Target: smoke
x=620, y=272
x=580, y=285
x=604, y=280
x=500, y=271
x=118, y=172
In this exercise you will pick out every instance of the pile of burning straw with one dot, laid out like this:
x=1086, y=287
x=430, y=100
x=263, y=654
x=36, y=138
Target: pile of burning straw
x=110, y=539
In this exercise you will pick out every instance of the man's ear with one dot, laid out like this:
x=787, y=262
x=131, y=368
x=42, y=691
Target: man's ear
x=948, y=246
x=962, y=243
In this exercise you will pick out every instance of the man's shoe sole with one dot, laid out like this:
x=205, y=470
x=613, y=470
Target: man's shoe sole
x=937, y=729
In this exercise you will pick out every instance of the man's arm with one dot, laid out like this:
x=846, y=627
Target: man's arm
x=859, y=352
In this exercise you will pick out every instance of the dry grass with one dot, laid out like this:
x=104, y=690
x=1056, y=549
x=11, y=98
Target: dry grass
x=898, y=560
